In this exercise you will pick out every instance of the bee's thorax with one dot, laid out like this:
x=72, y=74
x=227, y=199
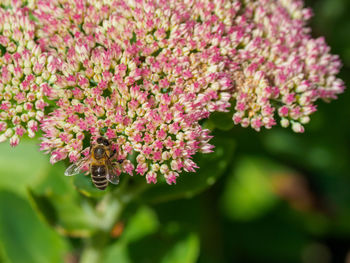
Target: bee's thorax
x=99, y=152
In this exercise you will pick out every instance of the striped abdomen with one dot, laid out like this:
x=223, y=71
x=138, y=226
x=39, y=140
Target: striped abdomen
x=98, y=176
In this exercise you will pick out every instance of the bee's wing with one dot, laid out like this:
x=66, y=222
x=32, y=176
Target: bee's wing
x=112, y=175
x=76, y=167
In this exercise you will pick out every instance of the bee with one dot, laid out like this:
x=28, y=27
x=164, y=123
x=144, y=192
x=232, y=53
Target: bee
x=101, y=168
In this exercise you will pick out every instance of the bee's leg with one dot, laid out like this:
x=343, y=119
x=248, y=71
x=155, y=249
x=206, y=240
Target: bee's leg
x=112, y=154
x=90, y=145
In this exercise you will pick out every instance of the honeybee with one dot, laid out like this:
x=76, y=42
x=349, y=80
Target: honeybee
x=101, y=168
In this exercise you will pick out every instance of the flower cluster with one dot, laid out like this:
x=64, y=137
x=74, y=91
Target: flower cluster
x=26, y=75
x=142, y=78
x=280, y=70
x=144, y=73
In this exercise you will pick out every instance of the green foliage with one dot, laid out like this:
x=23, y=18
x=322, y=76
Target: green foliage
x=145, y=240
x=21, y=166
x=143, y=223
x=184, y=251
x=24, y=237
x=220, y=120
x=248, y=193
x=58, y=202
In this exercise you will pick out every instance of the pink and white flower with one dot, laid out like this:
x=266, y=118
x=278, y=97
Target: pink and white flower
x=144, y=73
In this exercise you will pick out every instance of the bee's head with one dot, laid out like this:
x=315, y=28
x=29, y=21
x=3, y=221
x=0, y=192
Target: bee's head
x=103, y=141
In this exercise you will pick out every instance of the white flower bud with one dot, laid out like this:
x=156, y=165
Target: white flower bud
x=297, y=127
x=284, y=122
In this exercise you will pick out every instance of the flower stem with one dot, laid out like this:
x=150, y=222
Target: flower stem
x=106, y=214
x=91, y=254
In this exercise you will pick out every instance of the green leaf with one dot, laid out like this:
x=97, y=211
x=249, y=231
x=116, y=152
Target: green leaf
x=143, y=223
x=60, y=204
x=146, y=240
x=3, y=257
x=248, y=193
x=118, y=252
x=283, y=142
x=65, y=214
x=55, y=183
x=22, y=166
x=326, y=156
x=220, y=120
x=184, y=251
x=24, y=237
x=73, y=219
x=44, y=207
x=168, y=247
x=171, y=244
x=212, y=166
x=85, y=186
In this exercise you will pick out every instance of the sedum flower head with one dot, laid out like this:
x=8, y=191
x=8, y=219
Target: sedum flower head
x=143, y=77
x=26, y=75
x=279, y=69
x=144, y=73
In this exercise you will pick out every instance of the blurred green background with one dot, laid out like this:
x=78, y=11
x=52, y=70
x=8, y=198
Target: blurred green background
x=273, y=196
